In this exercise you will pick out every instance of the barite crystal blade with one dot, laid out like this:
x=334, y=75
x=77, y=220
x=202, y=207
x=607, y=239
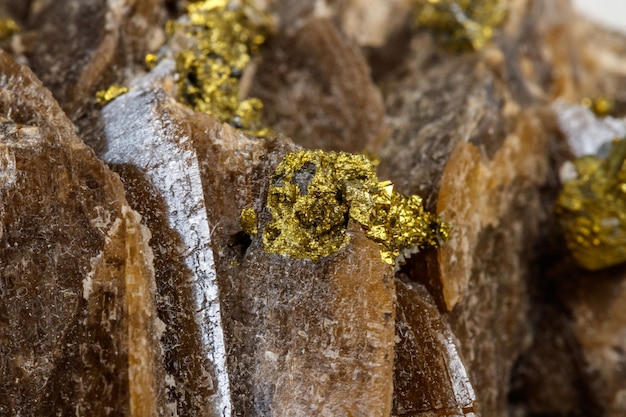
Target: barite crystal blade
x=143, y=142
x=78, y=329
x=427, y=355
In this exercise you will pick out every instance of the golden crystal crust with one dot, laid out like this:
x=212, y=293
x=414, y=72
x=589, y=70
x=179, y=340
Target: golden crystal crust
x=224, y=35
x=313, y=194
x=592, y=209
x=462, y=24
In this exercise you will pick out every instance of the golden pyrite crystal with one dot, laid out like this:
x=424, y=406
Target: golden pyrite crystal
x=224, y=34
x=462, y=24
x=592, y=209
x=249, y=221
x=8, y=28
x=600, y=106
x=313, y=194
x=106, y=96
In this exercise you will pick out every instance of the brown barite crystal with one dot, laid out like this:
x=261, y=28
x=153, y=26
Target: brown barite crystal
x=79, y=47
x=78, y=330
x=427, y=356
x=315, y=63
x=149, y=144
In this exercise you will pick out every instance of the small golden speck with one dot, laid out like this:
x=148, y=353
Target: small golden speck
x=600, y=106
x=106, y=96
x=151, y=61
x=8, y=28
x=249, y=221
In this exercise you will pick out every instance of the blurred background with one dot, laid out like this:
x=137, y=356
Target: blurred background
x=611, y=13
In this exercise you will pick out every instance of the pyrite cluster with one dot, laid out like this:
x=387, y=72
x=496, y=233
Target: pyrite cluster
x=313, y=194
x=592, y=209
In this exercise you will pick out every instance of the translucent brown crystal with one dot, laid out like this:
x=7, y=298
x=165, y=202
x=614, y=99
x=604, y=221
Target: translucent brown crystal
x=325, y=68
x=159, y=166
x=79, y=331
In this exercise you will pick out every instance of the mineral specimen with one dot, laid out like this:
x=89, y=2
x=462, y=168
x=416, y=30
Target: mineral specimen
x=476, y=168
x=147, y=145
x=315, y=63
x=426, y=355
x=586, y=134
x=155, y=295
x=595, y=303
x=313, y=338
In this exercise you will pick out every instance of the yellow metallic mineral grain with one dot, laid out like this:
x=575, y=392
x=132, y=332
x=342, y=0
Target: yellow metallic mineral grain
x=151, y=60
x=8, y=28
x=313, y=194
x=105, y=96
x=592, y=209
x=462, y=24
x=223, y=35
x=249, y=221
x=600, y=106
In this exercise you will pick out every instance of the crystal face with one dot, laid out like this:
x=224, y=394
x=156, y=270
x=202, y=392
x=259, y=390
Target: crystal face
x=592, y=209
x=313, y=194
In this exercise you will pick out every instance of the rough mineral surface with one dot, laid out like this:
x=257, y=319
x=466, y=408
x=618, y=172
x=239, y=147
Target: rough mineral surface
x=426, y=355
x=316, y=64
x=79, y=47
x=148, y=146
x=78, y=329
x=305, y=338
x=146, y=296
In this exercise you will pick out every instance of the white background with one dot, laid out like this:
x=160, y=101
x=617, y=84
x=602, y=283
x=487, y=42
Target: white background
x=612, y=13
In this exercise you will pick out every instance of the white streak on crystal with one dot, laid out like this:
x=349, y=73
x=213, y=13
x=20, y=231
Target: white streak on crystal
x=461, y=385
x=8, y=169
x=138, y=136
x=88, y=280
x=584, y=132
x=94, y=262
